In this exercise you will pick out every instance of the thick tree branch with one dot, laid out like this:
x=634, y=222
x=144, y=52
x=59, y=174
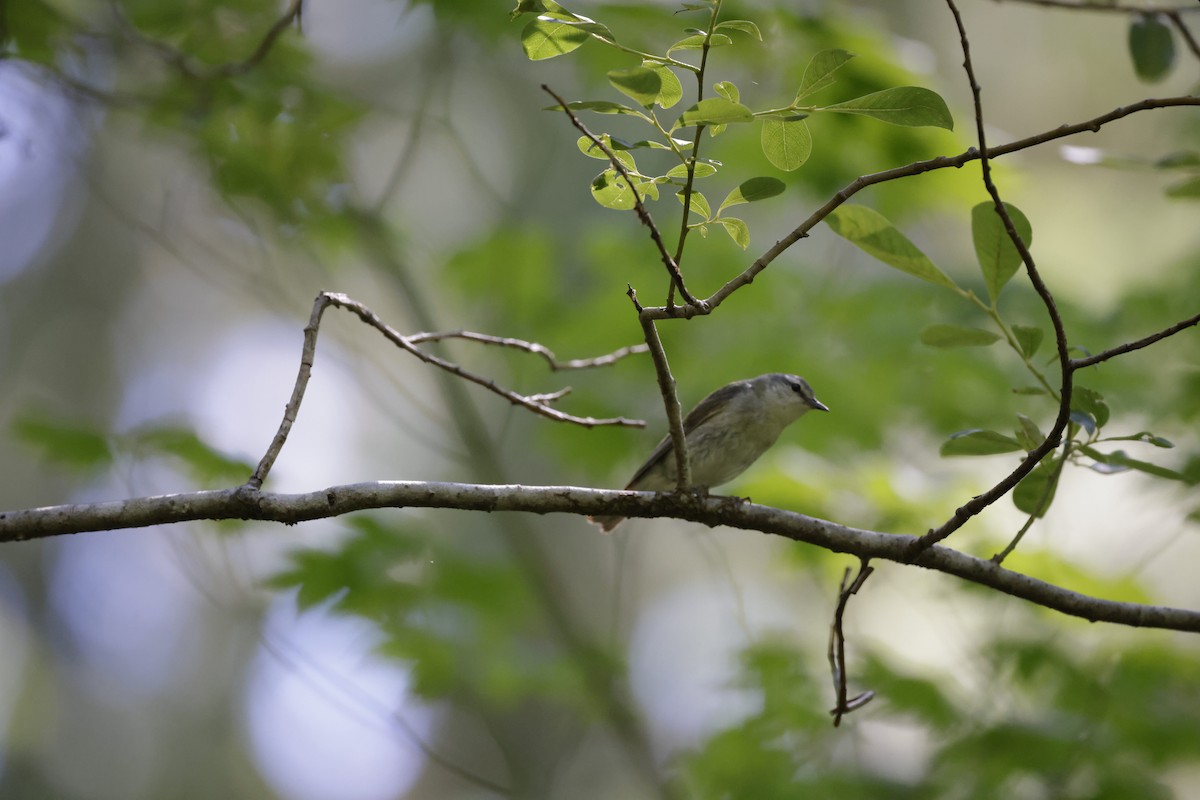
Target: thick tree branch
x=249, y=504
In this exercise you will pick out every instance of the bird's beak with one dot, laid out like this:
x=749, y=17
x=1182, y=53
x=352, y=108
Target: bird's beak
x=818, y=405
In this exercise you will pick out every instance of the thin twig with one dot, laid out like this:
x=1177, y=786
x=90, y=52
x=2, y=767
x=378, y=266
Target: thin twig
x=1054, y=436
x=666, y=387
x=1080, y=363
x=837, y=646
x=1184, y=31
x=327, y=299
x=684, y=228
x=1118, y=8
x=638, y=205
x=1042, y=504
x=532, y=347
x=185, y=64
x=801, y=231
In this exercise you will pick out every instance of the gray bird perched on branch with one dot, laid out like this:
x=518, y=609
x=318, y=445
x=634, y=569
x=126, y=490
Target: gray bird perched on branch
x=726, y=433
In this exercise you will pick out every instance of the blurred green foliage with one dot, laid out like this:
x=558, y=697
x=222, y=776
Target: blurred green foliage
x=904, y=362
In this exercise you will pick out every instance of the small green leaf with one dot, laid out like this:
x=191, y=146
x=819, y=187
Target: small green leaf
x=787, y=145
x=589, y=149
x=1119, y=461
x=697, y=42
x=1028, y=433
x=743, y=25
x=672, y=90
x=1145, y=436
x=1084, y=420
x=698, y=203
x=700, y=170
x=639, y=83
x=737, y=230
x=979, y=442
x=819, y=72
x=1182, y=158
x=1036, y=491
x=611, y=190
x=870, y=231
x=551, y=35
x=1152, y=47
x=715, y=111
x=207, y=464
x=752, y=191
x=1029, y=339
x=1090, y=402
x=957, y=336
x=911, y=106
x=728, y=90
x=599, y=106
x=997, y=255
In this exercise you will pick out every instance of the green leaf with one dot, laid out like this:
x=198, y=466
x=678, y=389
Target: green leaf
x=1119, y=461
x=957, y=336
x=1187, y=190
x=700, y=170
x=73, y=445
x=599, y=106
x=536, y=7
x=743, y=25
x=639, y=83
x=728, y=90
x=911, y=106
x=979, y=442
x=752, y=191
x=1145, y=436
x=819, y=72
x=671, y=91
x=1036, y=491
x=787, y=145
x=589, y=149
x=1090, y=402
x=551, y=35
x=698, y=203
x=1028, y=433
x=737, y=230
x=715, y=111
x=697, y=42
x=1029, y=339
x=1152, y=47
x=997, y=255
x=871, y=232
x=611, y=190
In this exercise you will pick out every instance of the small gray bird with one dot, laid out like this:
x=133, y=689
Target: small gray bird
x=726, y=433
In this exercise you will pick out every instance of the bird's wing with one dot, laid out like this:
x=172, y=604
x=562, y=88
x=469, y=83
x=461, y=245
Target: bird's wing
x=703, y=411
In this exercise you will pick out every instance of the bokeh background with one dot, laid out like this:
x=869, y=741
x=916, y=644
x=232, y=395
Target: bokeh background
x=163, y=231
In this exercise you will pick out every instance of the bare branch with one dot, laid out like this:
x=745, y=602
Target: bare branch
x=536, y=404
x=1119, y=8
x=978, y=503
x=638, y=205
x=531, y=347
x=670, y=397
x=837, y=646
x=246, y=503
x=801, y=231
x=1128, y=347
